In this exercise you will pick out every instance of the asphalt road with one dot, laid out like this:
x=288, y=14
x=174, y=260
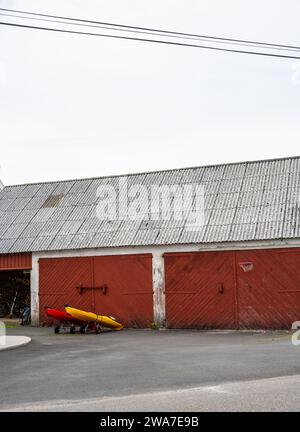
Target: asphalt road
x=151, y=371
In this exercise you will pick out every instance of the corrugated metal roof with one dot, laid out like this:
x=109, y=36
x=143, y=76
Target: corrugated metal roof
x=241, y=201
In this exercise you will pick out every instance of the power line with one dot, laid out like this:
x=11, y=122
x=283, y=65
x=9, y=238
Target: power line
x=195, y=38
x=266, y=44
x=150, y=40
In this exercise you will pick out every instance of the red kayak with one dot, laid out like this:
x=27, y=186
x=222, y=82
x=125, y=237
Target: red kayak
x=62, y=316
x=66, y=321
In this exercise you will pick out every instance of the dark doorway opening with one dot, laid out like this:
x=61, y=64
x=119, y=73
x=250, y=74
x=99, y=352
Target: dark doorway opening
x=14, y=292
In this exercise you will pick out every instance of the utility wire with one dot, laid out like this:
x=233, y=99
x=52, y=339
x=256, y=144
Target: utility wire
x=195, y=38
x=150, y=40
x=153, y=30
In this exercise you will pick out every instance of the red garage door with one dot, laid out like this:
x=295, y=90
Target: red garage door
x=59, y=279
x=127, y=283
x=269, y=288
x=199, y=290
x=243, y=289
x=120, y=286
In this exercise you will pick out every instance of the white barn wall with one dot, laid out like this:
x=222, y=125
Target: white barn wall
x=158, y=281
x=34, y=290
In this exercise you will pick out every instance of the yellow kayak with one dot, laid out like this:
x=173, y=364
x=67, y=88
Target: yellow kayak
x=103, y=320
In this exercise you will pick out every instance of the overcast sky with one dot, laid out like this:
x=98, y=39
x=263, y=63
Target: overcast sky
x=77, y=106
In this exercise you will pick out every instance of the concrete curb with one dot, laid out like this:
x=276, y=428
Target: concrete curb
x=13, y=342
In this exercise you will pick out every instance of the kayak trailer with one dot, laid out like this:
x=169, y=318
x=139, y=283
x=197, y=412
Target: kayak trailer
x=71, y=319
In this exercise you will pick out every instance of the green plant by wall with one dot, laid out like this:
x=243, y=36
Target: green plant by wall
x=154, y=326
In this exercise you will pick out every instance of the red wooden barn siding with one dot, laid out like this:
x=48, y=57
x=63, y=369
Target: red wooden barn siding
x=197, y=290
x=269, y=296
x=128, y=279
x=240, y=289
x=16, y=261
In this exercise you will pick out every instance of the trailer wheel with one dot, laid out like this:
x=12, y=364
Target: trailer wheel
x=56, y=329
x=98, y=329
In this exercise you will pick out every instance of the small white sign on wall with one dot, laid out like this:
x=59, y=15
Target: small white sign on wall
x=247, y=266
